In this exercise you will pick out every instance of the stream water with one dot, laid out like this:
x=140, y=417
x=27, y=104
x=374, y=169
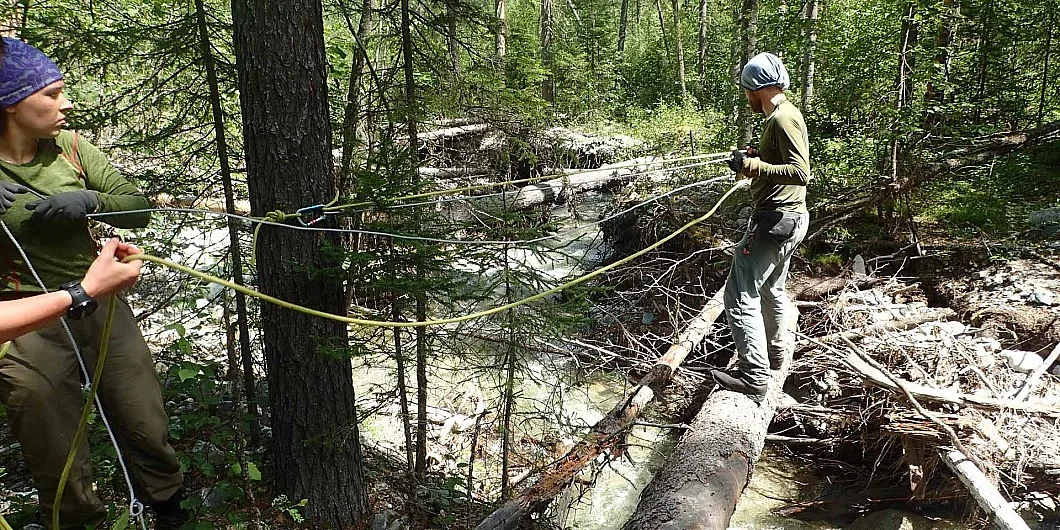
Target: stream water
x=558, y=400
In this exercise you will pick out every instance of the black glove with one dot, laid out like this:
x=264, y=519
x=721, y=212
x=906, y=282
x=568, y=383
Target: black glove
x=7, y=194
x=736, y=162
x=68, y=206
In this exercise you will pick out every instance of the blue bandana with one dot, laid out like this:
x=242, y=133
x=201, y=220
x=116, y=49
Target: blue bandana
x=764, y=69
x=24, y=71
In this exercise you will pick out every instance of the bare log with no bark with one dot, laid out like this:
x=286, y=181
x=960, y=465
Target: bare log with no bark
x=985, y=493
x=608, y=431
x=558, y=189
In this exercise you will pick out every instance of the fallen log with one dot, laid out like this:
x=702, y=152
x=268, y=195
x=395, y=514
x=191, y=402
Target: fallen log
x=698, y=487
x=558, y=189
x=213, y=204
x=452, y=172
x=940, y=395
x=449, y=133
x=820, y=289
x=883, y=327
x=985, y=493
x=610, y=430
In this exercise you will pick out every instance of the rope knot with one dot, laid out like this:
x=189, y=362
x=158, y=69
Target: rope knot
x=277, y=216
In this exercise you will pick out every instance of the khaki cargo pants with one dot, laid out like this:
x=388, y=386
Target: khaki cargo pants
x=40, y=383
x=756, y=303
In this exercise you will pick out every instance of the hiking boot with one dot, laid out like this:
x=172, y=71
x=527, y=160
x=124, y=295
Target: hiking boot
x=168, y=514
x=736, y=383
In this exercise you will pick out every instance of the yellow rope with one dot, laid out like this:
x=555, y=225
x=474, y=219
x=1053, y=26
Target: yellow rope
x=105, y=339
x=437, y=322
x=83, y=423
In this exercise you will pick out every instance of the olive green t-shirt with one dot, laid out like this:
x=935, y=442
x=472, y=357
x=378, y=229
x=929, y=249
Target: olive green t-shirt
x=783, y=166
x=60, y=251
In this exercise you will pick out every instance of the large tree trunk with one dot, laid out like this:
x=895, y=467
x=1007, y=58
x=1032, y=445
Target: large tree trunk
x=623, y=27
x=221, y=143
x=698, y=487
x=809, y=59
x=548, y=88
x=316, y=452
x=749, y=39
x=679, y=41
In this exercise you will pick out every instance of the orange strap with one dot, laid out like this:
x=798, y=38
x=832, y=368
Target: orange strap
x=72, y=157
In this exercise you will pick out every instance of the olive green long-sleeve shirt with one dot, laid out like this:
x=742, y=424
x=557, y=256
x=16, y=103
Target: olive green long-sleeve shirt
x=782, y=170
x=61, y=252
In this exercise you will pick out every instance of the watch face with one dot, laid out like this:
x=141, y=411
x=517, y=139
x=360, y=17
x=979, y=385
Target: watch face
x=82, y=310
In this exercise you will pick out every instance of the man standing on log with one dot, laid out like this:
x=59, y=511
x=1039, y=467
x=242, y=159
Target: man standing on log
x=755, y=300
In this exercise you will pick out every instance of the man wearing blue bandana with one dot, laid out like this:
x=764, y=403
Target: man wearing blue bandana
x=756, y=303
x=50, y=180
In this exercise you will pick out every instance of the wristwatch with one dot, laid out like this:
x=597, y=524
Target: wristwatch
x=83, y=305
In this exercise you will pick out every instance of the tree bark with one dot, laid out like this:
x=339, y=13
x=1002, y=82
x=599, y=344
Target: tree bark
x=351, y=119
x=680, y=50
x=936, y=95
x=1045, y=63
x=704, y=21
x=749, y=40
x=610, y=430
x=548, y=90
x=411, y=110
x=558, y=189
x=316, y=452
x=242, y=322
x=662, y=30
x=984, y=58
x=698, y=487
x=809, y=59
x=985, y=493
x=454, y=45
x=501, y=37
x=623, y=27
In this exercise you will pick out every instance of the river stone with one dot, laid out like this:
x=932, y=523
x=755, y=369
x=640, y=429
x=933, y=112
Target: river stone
x=1022, y=361
x=892, y=519
x=1044, y=217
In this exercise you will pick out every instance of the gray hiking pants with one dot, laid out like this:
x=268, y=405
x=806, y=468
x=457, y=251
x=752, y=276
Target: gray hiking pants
x=756, y=303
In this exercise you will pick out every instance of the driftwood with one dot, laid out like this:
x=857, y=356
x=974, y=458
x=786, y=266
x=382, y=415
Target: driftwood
x=985, y=493
x=819, y=289
x=939, y=395
x=698, y=487
x=1032, y=380
x=883, y=327
x=165, y=200
x=452, y=172
x=449, y=133
x=608, y=431
x=558, y=189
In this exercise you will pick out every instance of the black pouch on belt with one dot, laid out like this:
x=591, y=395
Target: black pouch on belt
x=778, y=225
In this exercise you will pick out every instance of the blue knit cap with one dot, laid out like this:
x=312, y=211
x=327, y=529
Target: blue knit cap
x=763, y=70
x=24, y=71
